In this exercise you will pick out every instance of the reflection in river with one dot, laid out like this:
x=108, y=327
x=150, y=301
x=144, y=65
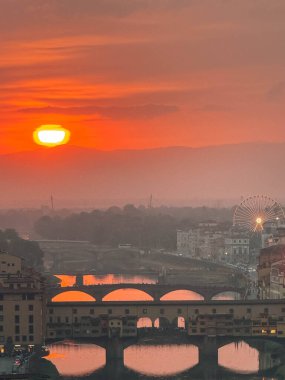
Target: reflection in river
x=91, y=279
x=160, y=361
x=73, y=359
x=239, y=357
x=169, y=360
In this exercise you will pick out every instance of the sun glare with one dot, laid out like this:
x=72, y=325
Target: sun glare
x=51, y=135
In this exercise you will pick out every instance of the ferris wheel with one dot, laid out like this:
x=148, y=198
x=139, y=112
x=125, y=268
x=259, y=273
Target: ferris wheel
x=254, y=211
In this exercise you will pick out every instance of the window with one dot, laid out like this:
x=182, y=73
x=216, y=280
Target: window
x=266, y=310
x=50, y=319
x=17, y=319
x=24, y=338
x=66, y=320
x=1, y=307
x=144, y=311
x=109, y=311
x=31, y=329
x=248, y=310
x=214, y=311
x=30, y=296
x=127, y=311
x=31, y=307
x=161, y=311
x=17, y=307
x=231, y=311
x=58, y=320
x=50, y=311
x=17, y=329
x=74, y=311
x=31, y=319
x=1, y=328
x=31, y=338
x=17, y=338
x=179, y=311
x=196, y=311
x=91, y=311
x=75, y=320
x=283, y=309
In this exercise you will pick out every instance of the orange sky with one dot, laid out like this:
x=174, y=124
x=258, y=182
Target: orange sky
x=140, y=73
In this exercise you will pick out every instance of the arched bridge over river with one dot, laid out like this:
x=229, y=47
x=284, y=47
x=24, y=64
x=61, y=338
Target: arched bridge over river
x=208, y=366
x=156, y=291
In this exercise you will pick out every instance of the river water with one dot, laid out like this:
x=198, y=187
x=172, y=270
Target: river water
x=155, y=359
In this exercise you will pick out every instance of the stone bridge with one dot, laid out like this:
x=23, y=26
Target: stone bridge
x=207, y=368
x=156, y=291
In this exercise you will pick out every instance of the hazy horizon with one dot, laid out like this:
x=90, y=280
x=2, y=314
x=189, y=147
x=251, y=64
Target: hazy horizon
x=84, y=177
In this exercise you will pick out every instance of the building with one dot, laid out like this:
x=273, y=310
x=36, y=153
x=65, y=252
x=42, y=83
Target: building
x=22, y=310
x=277, y=280
x=272, y=234
x=205, y=241
x=228, y=324
x=267, y=257
x=237, y=248
x=80, y=321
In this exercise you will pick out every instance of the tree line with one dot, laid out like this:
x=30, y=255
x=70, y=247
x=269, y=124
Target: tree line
x=13, y=244
x=141, y=227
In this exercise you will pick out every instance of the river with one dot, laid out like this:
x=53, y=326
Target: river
x=152, y=358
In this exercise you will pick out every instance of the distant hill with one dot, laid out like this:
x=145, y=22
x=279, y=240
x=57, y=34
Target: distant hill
x=79, y=176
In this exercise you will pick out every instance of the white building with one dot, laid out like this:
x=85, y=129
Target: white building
x=201, y=242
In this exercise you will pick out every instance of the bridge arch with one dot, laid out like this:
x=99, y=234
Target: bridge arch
x=127, y=294
x=144, y=322
x=162, y=322
x=179, y=322
x=244, y=359
x=73, y=296
x=181, y=295
x=164, y=354
x=227, y=295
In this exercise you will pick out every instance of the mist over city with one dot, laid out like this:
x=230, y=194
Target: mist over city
x=142, y=207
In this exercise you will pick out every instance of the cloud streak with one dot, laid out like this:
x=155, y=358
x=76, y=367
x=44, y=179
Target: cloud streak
x=151, y=73
x=147, y=111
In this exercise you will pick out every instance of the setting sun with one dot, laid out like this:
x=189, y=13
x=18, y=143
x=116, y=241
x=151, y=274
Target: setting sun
x=51, y=135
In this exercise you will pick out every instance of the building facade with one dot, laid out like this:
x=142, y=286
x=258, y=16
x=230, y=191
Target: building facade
x=267, y=257
x=237, y=249
x=22, y=310
x=277, y=280
x=206, y=241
